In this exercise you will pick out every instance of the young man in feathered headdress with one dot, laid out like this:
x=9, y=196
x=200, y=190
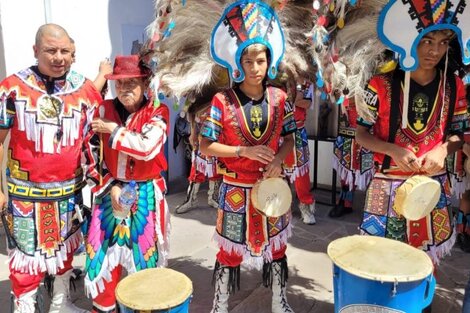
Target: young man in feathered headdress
x=243, y=131
x=418, y=116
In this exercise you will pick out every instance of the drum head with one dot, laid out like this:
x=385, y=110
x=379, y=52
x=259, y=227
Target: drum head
x=380, y=259
x=417, y=197
x=154, y=289
x=271, y=196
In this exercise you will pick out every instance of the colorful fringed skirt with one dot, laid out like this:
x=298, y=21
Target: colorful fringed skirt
x=433, y=234
x=137, y=242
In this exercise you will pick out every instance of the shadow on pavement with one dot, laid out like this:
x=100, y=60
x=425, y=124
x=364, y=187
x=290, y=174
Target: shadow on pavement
x=252, y=296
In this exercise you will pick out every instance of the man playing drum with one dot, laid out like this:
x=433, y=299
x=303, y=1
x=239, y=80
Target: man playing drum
x=414, y=137
x=243, y=131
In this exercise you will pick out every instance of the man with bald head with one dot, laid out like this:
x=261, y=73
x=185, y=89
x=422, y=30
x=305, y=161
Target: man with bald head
x=46, y=110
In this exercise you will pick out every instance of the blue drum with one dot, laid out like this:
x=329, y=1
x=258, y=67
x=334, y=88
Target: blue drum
x=156, y=290
x=375, y=274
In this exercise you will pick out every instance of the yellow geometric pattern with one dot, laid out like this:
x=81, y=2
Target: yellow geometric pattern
x=441, y=225
x=34, y=192
x=14, y=167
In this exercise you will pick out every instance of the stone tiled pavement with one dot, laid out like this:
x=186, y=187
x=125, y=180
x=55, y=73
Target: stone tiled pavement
x=310, y=288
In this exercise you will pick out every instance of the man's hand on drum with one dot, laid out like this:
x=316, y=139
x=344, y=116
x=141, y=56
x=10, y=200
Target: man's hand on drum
x=405, y=159
x=273, y=169
x=262, y=154
x=115, y=193
x=102, y=125
x=433, y=162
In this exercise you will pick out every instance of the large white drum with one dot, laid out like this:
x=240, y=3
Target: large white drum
x=379, y=275
x=417, y=197
x=271, y=197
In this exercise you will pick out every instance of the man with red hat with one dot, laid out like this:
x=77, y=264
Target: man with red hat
x=132, y=129
x=45, y=109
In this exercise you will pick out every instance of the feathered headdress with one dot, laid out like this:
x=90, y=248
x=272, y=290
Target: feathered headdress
x=243, y=23
x=359, y=36
x=183, y=56
x=417, y=18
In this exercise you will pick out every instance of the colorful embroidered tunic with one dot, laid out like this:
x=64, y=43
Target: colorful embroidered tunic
x=236, y=120
x=47, y=120
x=353, y=163
x=206, y=165
x=430, y=120
x=297, y=162
x=134, y=151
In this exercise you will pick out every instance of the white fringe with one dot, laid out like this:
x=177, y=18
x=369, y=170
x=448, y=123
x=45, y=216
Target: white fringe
x=163, y=239
x=353, y=177
x=38, y=263
x=298, y=171
x=459, y=185
x=206, y=165
x=436, y=253
x=362, y=180
x=43, y=134
x=344, y=173
x=116, y=255
x=254, y=262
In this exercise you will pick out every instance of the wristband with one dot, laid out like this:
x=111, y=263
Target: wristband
x=237, y=151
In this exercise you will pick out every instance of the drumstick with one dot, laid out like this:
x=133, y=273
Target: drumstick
x=101, y=111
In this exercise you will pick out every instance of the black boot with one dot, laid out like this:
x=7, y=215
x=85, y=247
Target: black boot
x=463, y=241
x=339, y=210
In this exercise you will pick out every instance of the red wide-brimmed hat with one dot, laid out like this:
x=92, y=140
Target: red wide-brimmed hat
x=127, y=66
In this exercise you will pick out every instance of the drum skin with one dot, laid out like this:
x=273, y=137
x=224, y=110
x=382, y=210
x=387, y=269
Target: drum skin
x=271, y=197
x=417, y=197
x=156, y=290
x=379, y=275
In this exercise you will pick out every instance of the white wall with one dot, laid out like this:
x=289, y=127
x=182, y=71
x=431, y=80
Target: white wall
x=18, y=32
x=96, y=26
x=100, y=28
x=324, y=169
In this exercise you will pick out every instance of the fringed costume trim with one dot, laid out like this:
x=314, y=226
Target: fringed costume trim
x=38, y=263
x=268, y=272
x=116, y=255
x=253, y=262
